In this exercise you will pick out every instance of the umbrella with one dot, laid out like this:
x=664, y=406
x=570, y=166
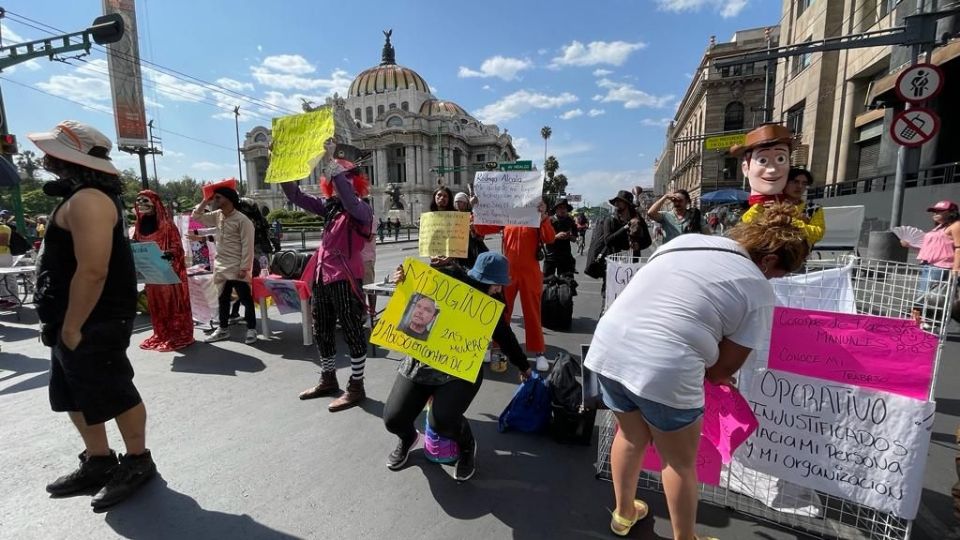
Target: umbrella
x=725, y=196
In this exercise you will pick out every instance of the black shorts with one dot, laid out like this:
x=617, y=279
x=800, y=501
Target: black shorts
x=96, y=378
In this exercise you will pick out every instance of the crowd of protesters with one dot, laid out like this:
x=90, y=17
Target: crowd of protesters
x=86, y=290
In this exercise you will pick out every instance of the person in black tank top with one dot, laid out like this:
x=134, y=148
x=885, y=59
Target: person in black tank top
x=86, y=295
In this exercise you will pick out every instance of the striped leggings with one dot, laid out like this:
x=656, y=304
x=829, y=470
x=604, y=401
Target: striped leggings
x=334, y=301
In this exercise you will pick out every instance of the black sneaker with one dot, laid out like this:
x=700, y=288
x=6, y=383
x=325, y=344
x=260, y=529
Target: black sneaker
x=467, y=464
x=93, y=474
x=133, y=472
x=398, y=458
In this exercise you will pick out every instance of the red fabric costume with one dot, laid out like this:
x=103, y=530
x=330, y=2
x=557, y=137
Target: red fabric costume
x=169, y=304
x=526, y=277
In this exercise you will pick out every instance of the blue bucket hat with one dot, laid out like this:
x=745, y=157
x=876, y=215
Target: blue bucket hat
x=491, y=268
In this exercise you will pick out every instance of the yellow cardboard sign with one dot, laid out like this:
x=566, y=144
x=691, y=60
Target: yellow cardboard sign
x=298, y=144
x=440, y=321
x=722, y=142
x=444, y=234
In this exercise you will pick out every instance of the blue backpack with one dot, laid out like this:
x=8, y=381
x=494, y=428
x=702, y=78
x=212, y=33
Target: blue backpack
x=529, y=410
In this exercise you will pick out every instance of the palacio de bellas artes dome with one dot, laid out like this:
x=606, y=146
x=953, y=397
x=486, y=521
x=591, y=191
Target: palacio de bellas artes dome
x=414, y=141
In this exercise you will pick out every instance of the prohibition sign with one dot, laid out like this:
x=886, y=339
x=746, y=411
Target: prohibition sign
x=914, y=127
x=919, y=83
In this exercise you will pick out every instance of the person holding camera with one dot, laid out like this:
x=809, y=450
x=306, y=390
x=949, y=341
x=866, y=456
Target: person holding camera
x=682, y=219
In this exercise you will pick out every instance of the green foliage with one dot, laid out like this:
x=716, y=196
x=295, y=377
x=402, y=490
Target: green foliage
x=294, y=218
x=28, y=164
x=36, y=202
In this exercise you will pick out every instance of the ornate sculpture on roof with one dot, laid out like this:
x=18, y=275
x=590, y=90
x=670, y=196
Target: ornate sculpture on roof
x=388, y=56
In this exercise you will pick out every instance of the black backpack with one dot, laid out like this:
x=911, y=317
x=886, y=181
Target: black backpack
x=261, y=228
x=570, y=422
x=556, y=302
x=289, y=264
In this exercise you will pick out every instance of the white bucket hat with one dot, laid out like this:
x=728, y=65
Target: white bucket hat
x=77, y=143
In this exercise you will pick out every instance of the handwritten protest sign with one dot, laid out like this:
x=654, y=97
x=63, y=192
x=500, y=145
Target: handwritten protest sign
x=709, y=463
x=444, y=234
x=150, y=264
x=284, y=294
x=439, y=321
x=728, y=420
x=620, y=270
x=507, y=198
x=298, y=144
x=893, y=355
x=860, y=444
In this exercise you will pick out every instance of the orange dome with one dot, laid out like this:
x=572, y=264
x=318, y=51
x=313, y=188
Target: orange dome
x=436, y=107
x=387, y=78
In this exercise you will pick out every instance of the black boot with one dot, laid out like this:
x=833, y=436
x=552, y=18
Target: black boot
x=133, y=472
x=93, y=473
x=467, y=464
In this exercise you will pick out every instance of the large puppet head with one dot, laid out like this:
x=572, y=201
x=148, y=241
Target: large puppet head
x=148, y=203
x=766, y=159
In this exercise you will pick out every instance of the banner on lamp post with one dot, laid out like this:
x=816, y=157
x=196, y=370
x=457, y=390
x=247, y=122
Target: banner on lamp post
x=126, y=83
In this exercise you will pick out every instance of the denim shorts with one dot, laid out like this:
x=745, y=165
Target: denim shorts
x=618, y=398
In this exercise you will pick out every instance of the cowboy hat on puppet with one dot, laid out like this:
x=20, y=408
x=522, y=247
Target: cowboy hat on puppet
x=765, y=161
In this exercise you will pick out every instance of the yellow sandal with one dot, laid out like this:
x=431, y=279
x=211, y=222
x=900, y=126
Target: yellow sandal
x=621, y=526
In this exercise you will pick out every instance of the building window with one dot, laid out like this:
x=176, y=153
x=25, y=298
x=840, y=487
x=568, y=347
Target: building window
x=260, y=138
x=369, y=115
x=402, y=152
x=405, y=106
x=802, y=6
x=380, y=111
x=393, y=106
x=394, y=121
x=457, y=162
x=481, y=158
x=730, y=166
x=356, y=114
x=795, y=119
x=733, y=116
x=800, y=62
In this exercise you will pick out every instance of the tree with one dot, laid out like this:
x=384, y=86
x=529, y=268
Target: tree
x=554, y=184
x=28, y=164
x=545, y=132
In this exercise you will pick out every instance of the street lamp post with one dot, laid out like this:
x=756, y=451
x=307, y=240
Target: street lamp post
x=236, y=122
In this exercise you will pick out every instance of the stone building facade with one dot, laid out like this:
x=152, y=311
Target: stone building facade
x=718, y=102
x=840, y=103
x=415, y=141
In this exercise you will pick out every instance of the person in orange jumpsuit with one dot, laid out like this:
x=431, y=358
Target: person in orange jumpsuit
x=520, y=246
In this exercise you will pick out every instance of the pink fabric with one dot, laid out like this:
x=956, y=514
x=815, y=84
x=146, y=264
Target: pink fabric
x=937, y=249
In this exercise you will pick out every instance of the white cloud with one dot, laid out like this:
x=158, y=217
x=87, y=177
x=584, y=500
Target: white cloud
x=522, y=145
x=173, y=153
x=726, y=8
x=209, y=166
x=597, y=186
x=567, y=149
x=259, y=48
x=293, y=64
x=497, y=66
x=572, y=113
x=662, y=122
x=542, y=52
x=602, y=72
x=521, y=102
x=486, y=87
x=236, y=86
x=596, y=112
x=596, y=52
x=631, y=97
x=286, y=72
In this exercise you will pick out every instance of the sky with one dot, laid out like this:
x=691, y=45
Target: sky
x=606, y=78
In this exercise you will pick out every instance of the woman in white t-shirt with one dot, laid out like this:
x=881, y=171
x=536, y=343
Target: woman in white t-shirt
x=695, y=311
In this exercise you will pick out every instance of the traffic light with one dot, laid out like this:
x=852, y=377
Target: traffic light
x=8, y=145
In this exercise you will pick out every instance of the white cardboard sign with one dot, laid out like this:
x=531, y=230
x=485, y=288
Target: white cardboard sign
x=507, y=198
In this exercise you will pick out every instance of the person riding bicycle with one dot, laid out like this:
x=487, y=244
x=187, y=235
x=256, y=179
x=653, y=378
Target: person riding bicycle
x=582, y=225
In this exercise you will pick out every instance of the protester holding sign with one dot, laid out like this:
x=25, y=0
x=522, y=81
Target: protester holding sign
x=673, y=326
x=417, y=382
x=442, y=200
x=475, y=245
x=170, y=312
x=523, y=247
x=337, y=295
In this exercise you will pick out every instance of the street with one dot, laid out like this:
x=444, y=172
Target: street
x=240, y=456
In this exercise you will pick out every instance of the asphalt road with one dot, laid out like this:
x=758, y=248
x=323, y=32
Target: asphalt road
x=241, y=457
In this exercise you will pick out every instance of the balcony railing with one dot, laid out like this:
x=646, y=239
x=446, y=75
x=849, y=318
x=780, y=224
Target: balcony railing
x=941, y=174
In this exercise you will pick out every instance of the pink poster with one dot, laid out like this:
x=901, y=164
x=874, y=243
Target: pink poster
x=728, y=420
x=709, y=462
x=882, y=353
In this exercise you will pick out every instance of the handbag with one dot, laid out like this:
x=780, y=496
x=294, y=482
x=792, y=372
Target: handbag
x=529, y=409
